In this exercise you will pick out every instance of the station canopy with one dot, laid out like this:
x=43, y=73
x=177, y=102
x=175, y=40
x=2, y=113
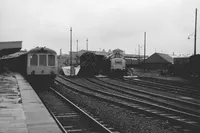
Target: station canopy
x=10, y=47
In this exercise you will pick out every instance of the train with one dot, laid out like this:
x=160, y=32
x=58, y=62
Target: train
x=194, y=65
x=187, y=67
x=115, y=64
x=37, y=62
x=88, y=64
x=112, y=65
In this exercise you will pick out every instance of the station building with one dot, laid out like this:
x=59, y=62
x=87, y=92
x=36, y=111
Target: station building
x=9, y=47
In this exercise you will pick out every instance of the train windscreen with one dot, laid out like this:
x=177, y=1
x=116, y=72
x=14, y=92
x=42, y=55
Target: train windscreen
x=34, y=60
x=43, y=60
x=51, y=60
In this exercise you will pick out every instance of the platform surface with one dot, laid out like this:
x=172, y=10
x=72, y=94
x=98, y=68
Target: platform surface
x=21, y=110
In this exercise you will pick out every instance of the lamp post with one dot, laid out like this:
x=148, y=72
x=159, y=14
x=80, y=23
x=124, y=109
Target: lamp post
x=195, y=32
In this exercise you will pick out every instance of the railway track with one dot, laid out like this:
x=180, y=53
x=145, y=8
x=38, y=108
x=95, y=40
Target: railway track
x=163, y=100
x=184, y=91
x=184, y=119
x=186, y=84
x=69, y=116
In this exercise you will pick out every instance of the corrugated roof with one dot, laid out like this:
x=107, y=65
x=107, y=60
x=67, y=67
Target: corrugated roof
x=159, y=58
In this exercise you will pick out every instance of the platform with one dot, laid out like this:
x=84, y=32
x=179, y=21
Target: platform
x=21, y=110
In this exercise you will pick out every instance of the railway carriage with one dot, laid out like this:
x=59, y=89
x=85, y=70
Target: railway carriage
x=188, y=67
x=38, y=62
x=194, y=65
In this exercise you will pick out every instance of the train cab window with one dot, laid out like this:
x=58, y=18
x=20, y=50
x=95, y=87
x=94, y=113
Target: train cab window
x=51, y=60
x=34, y=60
x=43, y=60
x=118, y=55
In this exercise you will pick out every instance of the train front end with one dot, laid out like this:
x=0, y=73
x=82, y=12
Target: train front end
x=117, y=63
x=41, y=62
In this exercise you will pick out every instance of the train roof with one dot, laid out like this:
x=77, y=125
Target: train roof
x=42, y=50
x=117, y=51
x=87, y=54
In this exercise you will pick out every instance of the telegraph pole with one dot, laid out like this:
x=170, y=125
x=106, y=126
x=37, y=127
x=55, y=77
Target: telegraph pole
x=144, y=48
x=70, y=51
x=87, y=44
x=195, y=32
x=77, y=52
x=138, y=54
x=60, y=58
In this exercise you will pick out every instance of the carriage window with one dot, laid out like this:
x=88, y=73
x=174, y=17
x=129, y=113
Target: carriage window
x=43, y=60
x=34, y=60
x=51, y=60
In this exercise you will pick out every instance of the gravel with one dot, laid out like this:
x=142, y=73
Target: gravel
x=123, y=120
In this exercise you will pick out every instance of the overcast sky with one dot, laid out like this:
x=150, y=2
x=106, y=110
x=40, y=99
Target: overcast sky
x=108, y=24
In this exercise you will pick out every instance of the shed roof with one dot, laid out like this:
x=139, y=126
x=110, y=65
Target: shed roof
x=159, y=58
x=10, y=47
x=14, y=55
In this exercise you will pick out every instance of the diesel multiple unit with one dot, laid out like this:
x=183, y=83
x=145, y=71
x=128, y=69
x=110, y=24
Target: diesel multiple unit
x=39, y=61
x=42, y=61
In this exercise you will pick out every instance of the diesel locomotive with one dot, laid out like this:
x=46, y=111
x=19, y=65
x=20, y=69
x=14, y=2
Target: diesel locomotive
x=112, y=65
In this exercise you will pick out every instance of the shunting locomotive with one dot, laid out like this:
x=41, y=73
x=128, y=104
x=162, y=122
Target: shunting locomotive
x=115, y=63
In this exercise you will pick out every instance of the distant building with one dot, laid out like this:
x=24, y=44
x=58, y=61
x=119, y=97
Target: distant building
x=158, y=61
x=76, y=55
x=62, y=60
